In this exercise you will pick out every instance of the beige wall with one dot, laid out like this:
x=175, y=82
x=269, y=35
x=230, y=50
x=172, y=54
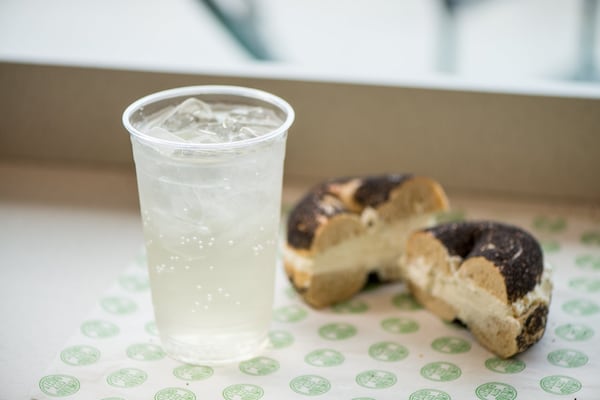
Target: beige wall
x=513, y=144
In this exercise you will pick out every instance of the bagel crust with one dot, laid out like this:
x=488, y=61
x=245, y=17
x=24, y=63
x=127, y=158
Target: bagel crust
x=489, y=275
x=347, y=228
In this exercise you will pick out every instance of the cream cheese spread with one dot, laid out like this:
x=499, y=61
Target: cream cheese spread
x=380, y=245
x=470, y=300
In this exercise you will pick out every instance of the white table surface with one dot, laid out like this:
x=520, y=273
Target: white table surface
x=65, y=233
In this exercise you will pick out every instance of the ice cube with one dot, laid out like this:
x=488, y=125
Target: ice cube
x=162, y=133
x=247, y=133
x=259, y=116
x=155, y=119
x=198, y=122
x=233, y=126
x=187, y=114
x=204, y=136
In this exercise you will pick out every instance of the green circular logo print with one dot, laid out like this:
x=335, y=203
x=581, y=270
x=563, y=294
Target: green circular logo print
x=580, y=307
x=151, y=328
x=588, y=261
x=406, y=302
x=429, y=394
x=291, y=313
x=591, y=238
x=496, y=391
x=59, y=385
x=280, y=339
x=310, y=385
x=134, y=283
x=337, y=331
x=560, y=384
x=574, y=332
x=509, y=366
x=99, y=329
x=145, y=352
x=259, y=366
x=376, y=379
x=353, y=306
x=324, y=358
x=193, y=372
x=127, y=378
x=118, y=305
x=567, y=358
x=549, y=224
x=550, y=246
x=441, y=371
x=585, y=285
x=80, y=355
x=172, y=393
x=399, y=325
x=388, y=351
x=243, y=392
x=451, y=345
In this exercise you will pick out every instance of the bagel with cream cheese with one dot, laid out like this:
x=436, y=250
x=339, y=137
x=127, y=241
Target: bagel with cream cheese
x=345, y=229
x=488, y=275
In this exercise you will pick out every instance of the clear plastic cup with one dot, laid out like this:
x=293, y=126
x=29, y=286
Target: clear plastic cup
x=210, y=214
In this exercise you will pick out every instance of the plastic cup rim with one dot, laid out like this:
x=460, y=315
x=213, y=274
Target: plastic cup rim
x=200, y=90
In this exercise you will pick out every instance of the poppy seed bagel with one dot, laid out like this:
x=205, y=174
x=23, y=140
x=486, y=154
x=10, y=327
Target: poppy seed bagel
x=491, y=276
x=347, y=228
